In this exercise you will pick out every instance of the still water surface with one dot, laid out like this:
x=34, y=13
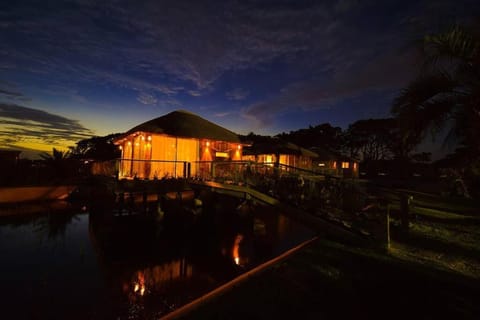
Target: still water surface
x=86, y=264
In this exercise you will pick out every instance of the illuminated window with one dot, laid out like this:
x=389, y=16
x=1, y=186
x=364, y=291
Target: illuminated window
x=321, y=164
x=221, y=154
x=345, y=165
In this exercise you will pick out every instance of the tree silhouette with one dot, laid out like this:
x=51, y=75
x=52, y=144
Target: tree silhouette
x=97, y=148
x=447, y=93
x=55, y=156
x=58, y=163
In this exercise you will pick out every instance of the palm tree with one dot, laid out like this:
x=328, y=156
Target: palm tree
x=447, y=93
x=57, y=162
x=55, y=156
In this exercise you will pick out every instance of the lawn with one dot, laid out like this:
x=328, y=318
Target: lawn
x=431, y=271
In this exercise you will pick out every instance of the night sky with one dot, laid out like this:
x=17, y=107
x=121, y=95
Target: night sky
x=73, y=69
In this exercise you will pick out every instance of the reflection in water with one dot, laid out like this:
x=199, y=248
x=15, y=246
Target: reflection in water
x=236, y=248
x=51, y=224
x=135, y=266
x=54, y=225
x=157, y=278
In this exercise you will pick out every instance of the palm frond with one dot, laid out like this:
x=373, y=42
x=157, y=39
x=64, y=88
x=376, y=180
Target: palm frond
x=454, y=44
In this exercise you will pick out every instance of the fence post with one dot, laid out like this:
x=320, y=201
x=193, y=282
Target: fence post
x=387, y=231
x=404, y=211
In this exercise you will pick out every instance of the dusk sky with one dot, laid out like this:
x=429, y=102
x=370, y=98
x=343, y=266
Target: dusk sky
x=73, y=69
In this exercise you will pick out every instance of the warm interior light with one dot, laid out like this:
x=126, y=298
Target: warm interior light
x=129, y=143
x=221, y=154
x=137, y=144
x=143, y=138
x=208, y=143
x=236, y=249
x=239, y=147
x=149, y=138
x=120, y=147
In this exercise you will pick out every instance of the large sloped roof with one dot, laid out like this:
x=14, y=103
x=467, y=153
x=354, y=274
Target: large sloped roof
x=277, y=146
x=185, y=124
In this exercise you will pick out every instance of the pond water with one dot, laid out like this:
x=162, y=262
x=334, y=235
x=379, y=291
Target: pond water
x=91, y=263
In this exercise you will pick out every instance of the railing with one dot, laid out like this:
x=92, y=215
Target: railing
x=334, y=198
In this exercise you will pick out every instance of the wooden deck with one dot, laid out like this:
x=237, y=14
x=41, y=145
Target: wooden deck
x=322, y=226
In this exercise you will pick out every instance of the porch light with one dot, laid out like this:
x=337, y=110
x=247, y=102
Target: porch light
x=120, y=147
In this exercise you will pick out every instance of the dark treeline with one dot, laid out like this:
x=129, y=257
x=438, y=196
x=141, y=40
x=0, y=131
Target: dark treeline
x=364, y=140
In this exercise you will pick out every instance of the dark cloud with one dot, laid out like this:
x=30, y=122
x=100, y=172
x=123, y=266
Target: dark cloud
x=140, y=45
x=22, y=123
x=9, y=91
x=9, y=94
x=162, y=51
x=147, y=98
x=383, y=73
x=137, y=46
x=237, y=94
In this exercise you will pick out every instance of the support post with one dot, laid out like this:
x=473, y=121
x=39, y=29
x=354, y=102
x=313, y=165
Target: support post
x=404, y=211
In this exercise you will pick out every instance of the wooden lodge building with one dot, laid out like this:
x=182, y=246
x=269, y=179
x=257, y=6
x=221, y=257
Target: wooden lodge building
x=183, y=144
x=275, y=152
x=330, y=163
x=177, y=144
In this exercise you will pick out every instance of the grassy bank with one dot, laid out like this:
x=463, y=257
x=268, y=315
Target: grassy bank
x=330, y=281
x=431, y=271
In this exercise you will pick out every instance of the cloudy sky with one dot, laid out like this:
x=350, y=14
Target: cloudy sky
x=73, y=69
